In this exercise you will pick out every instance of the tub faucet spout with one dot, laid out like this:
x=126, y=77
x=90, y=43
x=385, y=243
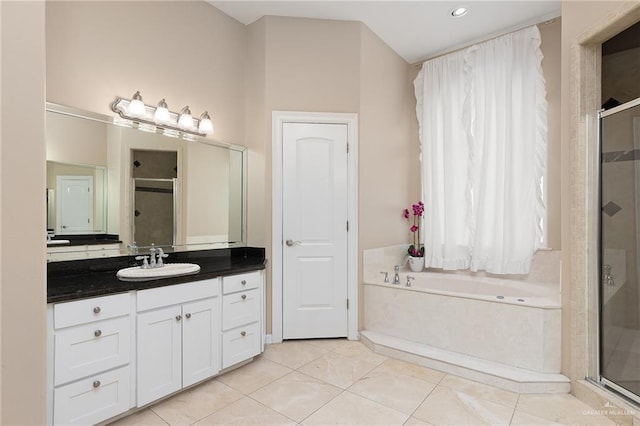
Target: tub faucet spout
x=396, y=275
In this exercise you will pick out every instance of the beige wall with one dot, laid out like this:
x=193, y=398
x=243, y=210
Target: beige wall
x=389, y=173
x=86, y=144
x=334, y=66
x=551, y=42
x=187, y=52
x=22, y=214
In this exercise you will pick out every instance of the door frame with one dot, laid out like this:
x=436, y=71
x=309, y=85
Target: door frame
x=279, y=118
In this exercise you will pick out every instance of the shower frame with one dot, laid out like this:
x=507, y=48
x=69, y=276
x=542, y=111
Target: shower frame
x=599, y=378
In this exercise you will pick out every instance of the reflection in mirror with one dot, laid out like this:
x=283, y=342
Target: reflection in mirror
x=196, y=200
x=76, y=199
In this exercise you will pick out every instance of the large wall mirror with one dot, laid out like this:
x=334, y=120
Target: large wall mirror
x=145, y=187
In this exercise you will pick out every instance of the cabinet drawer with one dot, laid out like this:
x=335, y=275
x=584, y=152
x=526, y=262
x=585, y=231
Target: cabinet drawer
x=240, y=308
x=88, y=310
x=240, y=282
x=91, y=348
x=176, y=294
x=92, y=400
x=240, y=344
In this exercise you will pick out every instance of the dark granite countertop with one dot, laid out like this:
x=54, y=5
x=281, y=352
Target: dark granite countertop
x=78, y=279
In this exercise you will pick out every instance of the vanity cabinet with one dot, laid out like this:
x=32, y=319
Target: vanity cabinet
x=91, y=359
x=113, y=354
x=242, y=305
x=178, y=337
x=87, y=251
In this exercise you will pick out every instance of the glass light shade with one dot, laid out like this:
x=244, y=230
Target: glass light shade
x=136, y=107
x=162, y=116
x=185, y=122
x=206, y=126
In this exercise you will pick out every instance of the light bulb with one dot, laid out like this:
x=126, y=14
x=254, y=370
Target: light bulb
x=136, y=107
x=185, y=122
x=162, y=116
x=206, y=126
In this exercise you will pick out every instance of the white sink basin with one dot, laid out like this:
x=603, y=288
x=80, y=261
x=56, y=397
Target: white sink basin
x=56, y=242
x=136, y=273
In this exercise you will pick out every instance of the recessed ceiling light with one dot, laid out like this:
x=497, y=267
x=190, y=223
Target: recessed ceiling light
x=459, y=11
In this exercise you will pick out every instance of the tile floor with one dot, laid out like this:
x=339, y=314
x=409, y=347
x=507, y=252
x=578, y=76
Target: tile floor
x=321, y=382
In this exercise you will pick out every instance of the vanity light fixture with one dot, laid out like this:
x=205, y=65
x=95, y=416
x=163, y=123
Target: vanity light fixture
x=162, y=116
x=185, y=122
x=206, y=126
x=150, y=118
x=459, y=11
x=136, y=107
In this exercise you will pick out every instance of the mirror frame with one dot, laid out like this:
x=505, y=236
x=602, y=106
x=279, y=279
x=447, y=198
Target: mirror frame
x=118, y=121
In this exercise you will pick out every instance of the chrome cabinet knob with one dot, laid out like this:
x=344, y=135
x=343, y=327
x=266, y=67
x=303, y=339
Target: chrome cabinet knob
x=243, y=282
x=243, y=297
x=178, y=317
x=188, y=316
x=96, y=384
x=243, y=333
x=97, y=333
x=97, y=310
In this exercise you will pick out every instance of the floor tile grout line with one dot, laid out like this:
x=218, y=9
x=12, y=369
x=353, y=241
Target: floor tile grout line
x=272, y=409
x=377, y=402
x=514, y=409
x=158, y=415
x=420, y=405
x=204, y=417
x=325, y=404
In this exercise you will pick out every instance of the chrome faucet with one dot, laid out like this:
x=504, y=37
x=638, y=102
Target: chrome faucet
x=396, y=268
x=409, y=278
x=161, y=255
x=608, y=278
x=154, y=260
x=396, y=275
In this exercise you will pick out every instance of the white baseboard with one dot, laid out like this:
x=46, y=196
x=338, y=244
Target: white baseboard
x=268, y=339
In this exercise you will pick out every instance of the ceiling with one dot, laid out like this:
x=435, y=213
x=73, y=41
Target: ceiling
x=416, y=30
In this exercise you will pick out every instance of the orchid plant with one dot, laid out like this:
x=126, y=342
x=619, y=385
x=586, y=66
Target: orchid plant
x=416, y=249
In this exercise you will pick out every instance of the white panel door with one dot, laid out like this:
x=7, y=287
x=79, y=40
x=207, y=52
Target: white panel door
x=159, y=353
x=75, y=204
x=200, y=340
x=314, y=230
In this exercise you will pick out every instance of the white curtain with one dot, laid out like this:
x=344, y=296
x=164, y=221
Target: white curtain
x=482, y=116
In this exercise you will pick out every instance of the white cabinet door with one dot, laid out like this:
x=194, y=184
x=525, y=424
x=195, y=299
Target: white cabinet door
x=200, y=340
x=159, y=353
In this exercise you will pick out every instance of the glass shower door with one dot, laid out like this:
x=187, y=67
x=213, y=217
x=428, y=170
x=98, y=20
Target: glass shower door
x=619, y=249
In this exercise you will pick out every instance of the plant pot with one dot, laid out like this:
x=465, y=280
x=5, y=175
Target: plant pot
x=416, y=264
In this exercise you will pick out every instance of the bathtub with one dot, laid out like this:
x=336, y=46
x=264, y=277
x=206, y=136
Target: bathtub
x=512, y=323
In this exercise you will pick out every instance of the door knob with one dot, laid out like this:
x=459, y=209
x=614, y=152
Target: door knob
x=291, y=243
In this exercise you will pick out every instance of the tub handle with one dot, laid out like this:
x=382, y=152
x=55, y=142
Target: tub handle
x=409, y=278
x=386, y=276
